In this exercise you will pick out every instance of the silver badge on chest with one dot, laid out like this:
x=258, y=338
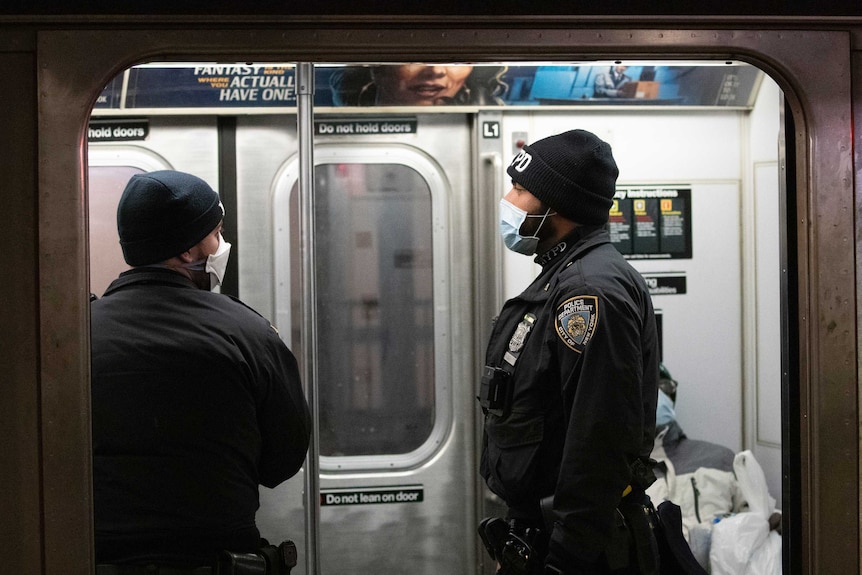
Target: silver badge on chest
x=516, y=344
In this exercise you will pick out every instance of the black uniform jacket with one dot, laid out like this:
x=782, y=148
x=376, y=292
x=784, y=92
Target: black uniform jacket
x=195, y=401
x=583, y=391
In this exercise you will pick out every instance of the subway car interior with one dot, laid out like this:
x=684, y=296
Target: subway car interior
x=361, y=164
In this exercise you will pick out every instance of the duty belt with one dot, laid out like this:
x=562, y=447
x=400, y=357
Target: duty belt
x=267, y=560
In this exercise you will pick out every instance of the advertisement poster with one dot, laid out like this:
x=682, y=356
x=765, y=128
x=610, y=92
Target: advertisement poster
x=410, y=85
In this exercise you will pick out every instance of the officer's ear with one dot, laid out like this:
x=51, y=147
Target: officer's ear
x=186, y=257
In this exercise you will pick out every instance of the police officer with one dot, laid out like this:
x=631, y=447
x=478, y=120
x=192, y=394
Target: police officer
x=570, y=383
x=195, y=399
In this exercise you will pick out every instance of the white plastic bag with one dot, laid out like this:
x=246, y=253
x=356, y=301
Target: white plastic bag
x=734, y=541
x=743, y=544
x=752, y=483
x=767, y=559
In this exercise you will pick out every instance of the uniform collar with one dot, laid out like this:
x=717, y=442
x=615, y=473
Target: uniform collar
x=575, y=239
x=149, y=275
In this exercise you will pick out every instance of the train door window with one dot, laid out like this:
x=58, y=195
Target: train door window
x=382, y=297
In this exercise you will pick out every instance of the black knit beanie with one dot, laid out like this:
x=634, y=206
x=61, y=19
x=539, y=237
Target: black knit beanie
x=574, y=173
x=164, y=213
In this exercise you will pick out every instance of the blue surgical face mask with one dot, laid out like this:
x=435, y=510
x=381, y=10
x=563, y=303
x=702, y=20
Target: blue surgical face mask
x=664, y=412
x=511, y=219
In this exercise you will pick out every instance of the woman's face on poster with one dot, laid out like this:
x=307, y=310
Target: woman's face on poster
x=419, y=84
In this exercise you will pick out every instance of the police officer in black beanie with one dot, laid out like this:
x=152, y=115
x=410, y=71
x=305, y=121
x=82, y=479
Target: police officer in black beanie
x=570, y=378
x=196, y=401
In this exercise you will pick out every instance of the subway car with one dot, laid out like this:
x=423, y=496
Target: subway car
x=361, y=163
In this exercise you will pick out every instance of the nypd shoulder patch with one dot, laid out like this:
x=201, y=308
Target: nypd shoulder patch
x=576, y=320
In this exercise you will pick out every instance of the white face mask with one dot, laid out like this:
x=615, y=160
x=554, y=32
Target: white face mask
x=511, y=219
x=215, y=264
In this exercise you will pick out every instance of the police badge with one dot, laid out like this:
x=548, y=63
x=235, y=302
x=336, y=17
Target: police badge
x=576, y=320
x=516, y=343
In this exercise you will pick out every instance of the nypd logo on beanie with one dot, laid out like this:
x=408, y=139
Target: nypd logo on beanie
x=574, y=173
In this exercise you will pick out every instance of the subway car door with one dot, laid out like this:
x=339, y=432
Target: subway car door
x=393, y=306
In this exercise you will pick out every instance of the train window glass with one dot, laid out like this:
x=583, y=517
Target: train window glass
x=375, y=321
x=106, y=257
x=391, y=364
x=378, y=296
